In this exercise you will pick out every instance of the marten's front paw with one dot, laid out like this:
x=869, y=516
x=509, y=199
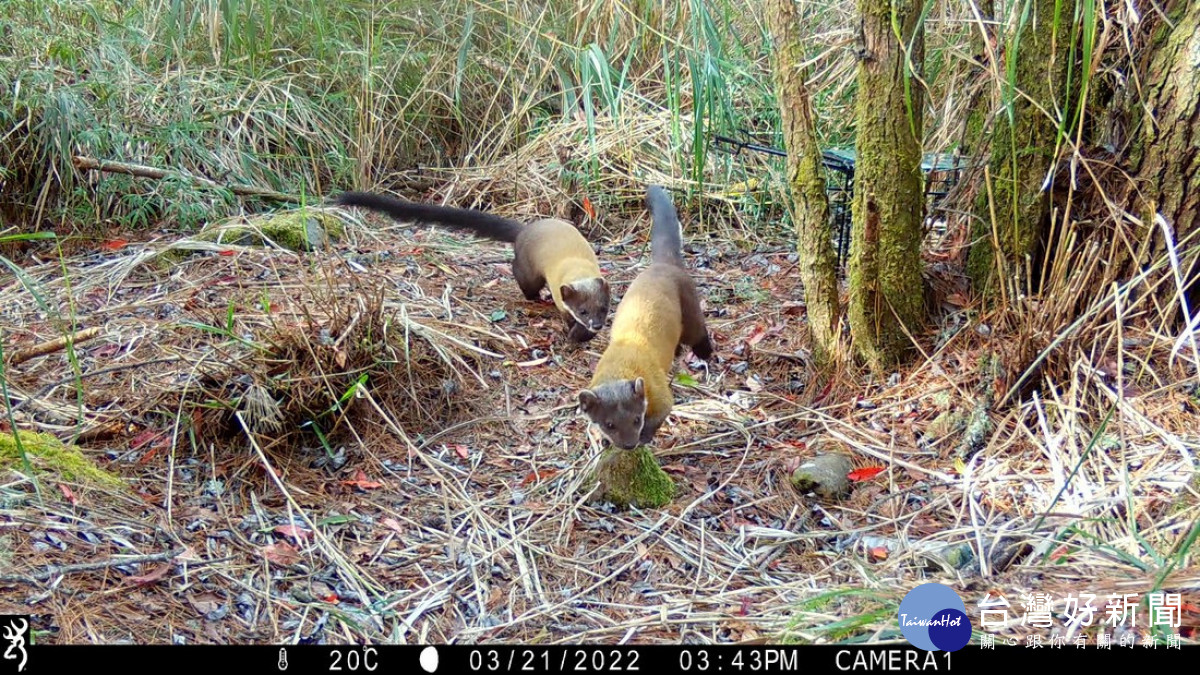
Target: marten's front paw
x=579, y=333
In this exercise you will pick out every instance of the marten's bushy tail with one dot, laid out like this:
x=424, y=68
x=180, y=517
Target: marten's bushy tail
x=666, y=235
x=479, y=222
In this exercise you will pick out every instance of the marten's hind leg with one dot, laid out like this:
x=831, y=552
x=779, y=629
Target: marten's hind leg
x=530, y=280
x=695, y=331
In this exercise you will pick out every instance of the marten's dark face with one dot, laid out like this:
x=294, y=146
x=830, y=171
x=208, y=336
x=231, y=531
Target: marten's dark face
x=587, y=301
x=619, y=409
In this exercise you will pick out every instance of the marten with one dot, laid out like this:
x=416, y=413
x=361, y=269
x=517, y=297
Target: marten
x=630, y=393
x=548, y=252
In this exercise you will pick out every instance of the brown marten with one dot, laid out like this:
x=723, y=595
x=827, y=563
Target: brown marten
x=547, y=252
x=630, y=393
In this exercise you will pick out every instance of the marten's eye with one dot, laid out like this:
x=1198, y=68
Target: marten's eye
x=610, y=426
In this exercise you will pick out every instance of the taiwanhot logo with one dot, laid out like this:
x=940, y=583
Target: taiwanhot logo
x=933, y=618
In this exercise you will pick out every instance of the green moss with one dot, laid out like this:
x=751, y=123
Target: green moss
x=298, y=230
x=632, y=478
x=47, y=453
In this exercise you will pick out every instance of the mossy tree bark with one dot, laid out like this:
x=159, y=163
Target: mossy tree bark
x=980, y=89
x=1167, y=160
x=1024, y=146
x=886, y=293
x=809, y=201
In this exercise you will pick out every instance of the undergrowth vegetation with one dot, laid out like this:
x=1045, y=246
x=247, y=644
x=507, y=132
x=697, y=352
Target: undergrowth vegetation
x=307, y=97
x=375, y=438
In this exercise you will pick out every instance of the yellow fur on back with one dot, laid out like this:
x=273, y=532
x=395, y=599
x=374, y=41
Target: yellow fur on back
x=560, y=251
x=645, y=333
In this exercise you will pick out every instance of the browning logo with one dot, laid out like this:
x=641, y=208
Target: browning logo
x=13, y=631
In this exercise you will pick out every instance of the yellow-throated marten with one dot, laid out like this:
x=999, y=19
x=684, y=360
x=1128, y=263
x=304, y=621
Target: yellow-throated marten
x=630, y=393
x=547, y=252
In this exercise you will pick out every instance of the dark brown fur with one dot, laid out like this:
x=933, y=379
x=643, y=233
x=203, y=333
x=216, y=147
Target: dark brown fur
x=547, y=252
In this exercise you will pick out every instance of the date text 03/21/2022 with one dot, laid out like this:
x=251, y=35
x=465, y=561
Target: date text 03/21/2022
x=696, y=660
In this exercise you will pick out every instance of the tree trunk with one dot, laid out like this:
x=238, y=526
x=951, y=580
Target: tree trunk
x=1167, y=162
x=809, y=201
x=980, y=86
x=1024, y=144
x=886, y=293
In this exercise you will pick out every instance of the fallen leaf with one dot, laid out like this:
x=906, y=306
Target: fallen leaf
x=685, y=379
x=744, y=609
x=878, y=553
x=227, y=252
x=144, y=438
x=295, y=532
x=588, y=208
x=461, y=450
x=865, y=473
x=114, y=245
x=206, y=603
x=68, y=494
x=393, y=525
x=957, y=300
x=756, y=335
x=106, y=351
x=539, y=476
x=360, y=481
x=282, y=553
x=150, y=577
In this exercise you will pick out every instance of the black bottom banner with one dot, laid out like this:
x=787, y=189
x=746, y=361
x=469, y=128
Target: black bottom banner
x=655, y=660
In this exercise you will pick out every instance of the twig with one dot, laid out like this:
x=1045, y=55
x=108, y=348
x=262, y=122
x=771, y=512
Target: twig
x=142, y=171
x=71, y=378
x=52, y=571
x=43, y=348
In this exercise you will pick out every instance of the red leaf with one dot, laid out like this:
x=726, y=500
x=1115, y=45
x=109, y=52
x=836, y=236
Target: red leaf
x=68, y=494
x=282, y=553
x=106, y=351
x=147, y=436
x=878, y=553
x=227, y=252
x=360, y=481
x=756, y=335
x=150, y=577
x=539, y=476
x=461, y=450
x=865, y=473
x=114, y=245
x=588, y=208
x=744, y=610
x=332, y=598
x=295, y=532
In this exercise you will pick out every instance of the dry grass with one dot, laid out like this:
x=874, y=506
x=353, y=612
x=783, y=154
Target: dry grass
x=452, y=511
x=379, y=442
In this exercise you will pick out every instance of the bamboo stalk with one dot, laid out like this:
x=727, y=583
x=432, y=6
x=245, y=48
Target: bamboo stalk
x=43, y=348
x=142, y=171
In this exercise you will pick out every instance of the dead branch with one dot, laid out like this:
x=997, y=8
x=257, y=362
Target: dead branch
x=142, y=171
x=51, y=346
x=51, y=571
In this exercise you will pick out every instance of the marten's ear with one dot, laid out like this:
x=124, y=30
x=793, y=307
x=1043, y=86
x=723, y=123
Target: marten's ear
x=603, y=285
x=639, y=387
x=567, y=292
x=588, y=400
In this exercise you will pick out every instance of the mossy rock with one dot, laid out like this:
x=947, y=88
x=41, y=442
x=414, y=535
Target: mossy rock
x=298, y=230
x=47, y=453
x=824, y=475
x=632, y=478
